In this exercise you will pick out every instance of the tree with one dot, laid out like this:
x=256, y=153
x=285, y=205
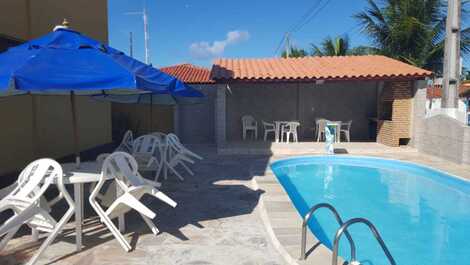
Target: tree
x=295, y=53
x=332, y=47
x=412, y=31
x=339, y=46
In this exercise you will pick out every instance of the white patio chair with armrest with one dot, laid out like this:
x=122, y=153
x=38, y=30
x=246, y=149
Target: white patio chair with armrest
x=127, y=142
x=123, y=169
x=320, y=128
x=178, y=155
x=144, y=151
x=181, y=148
x=345, y=129
x=110, y=192
x=249, y=124
x=268, y=128
x=290, y=129
x=24, y=201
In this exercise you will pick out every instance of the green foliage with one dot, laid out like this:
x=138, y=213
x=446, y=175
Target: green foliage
x=410, y=30
x=332, y=47
x=295, y=53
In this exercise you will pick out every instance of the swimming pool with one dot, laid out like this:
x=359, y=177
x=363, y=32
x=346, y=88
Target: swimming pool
x=422, y=214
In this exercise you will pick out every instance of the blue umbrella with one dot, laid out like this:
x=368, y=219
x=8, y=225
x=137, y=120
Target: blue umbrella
x=65, y=62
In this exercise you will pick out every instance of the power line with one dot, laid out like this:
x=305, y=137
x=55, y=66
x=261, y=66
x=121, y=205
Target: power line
x=313, y=15
x=305, y=16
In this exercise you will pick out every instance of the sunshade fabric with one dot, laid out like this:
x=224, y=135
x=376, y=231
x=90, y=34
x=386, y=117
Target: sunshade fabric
x=65, y=60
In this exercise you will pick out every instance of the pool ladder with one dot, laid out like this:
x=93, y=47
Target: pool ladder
x=343, y=229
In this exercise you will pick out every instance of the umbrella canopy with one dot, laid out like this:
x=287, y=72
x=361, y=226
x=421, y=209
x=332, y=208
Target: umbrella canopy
x=65, y=62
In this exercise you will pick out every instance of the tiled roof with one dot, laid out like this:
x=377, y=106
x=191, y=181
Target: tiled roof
x=189, y=73
x=436, y=91
x=315, y=68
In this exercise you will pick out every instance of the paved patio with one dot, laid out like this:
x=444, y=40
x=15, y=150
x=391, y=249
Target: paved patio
x=216, y=222
x=232, y=212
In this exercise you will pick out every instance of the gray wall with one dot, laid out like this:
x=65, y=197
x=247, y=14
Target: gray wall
x=195, y=123
x=439, y=135
x=343, y=101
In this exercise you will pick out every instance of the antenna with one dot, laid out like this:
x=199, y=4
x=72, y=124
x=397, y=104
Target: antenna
x=131, y=45
x=146, y=31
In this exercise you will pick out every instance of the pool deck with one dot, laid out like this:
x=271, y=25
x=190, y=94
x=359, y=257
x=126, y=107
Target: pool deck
x=233, y=211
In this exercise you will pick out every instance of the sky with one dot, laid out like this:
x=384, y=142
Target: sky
x=197, y=31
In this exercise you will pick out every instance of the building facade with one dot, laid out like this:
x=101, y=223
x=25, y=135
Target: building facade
x=374, y=92
x=22, y=20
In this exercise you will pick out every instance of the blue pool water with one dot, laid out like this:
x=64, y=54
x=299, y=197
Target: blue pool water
x=422, y=214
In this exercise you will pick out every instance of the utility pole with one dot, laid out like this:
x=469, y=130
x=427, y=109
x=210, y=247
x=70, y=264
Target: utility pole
x=287, y=45
x=451, y=79
x=131, y=45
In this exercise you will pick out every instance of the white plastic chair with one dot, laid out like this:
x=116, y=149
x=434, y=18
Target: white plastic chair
x=25, y=202
x=268, y=128
x=181, y=148
x=290, y=129
x=126, y=143
x=144, y=151
x=123, y=169
x=320, y=128
x=177, y=155
x=345, y=129
x=249, y=124
x=110, y=192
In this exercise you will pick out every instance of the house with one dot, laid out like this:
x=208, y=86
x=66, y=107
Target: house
x=24, y=20
x=375, y=92
x=434, y=94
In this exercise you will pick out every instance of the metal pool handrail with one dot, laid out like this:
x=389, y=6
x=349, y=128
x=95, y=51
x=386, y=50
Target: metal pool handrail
x=306, y=219
x=374, y=231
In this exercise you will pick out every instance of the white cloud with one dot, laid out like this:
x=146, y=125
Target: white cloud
x=206, y=50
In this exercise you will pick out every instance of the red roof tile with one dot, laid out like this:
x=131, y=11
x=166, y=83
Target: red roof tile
x=436, y=91
x=189, y=73
x=316, y=68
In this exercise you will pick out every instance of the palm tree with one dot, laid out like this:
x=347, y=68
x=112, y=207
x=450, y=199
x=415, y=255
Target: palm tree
x=410, y=30
x=339, y=46
x=295, y=53
x=329, y=47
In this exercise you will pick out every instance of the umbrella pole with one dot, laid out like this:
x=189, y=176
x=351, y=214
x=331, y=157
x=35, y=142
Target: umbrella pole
x=76, y=139
x=35, y=135
x=151, y=113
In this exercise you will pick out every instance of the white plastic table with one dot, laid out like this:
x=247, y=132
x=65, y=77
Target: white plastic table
x=277, y=127
x=88, y=172
x=337, y=125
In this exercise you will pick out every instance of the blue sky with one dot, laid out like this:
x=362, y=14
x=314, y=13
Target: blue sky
x=184, y=31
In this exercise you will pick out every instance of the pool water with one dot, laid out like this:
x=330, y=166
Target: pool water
x=422, y=214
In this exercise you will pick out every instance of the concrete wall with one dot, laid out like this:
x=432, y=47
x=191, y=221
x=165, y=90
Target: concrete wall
x=195, y=123
x=137, y=118
x=27, y=19
x=305, y=102
x=438, y=135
